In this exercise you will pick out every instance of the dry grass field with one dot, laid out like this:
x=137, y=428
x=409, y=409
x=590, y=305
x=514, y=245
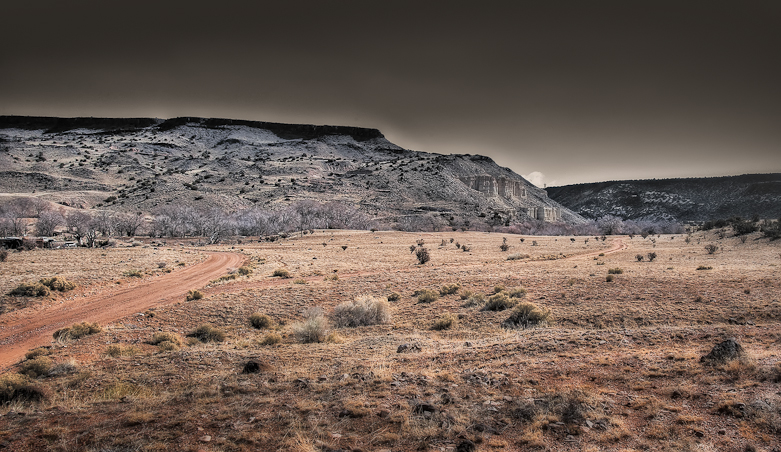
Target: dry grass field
x=616, y=366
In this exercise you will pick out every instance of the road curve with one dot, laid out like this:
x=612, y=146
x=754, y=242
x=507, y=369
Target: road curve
x=27, y=330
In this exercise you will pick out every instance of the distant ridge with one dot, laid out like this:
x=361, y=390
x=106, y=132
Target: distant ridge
x=680, y=199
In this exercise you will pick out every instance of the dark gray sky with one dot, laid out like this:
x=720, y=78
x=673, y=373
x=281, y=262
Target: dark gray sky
x=577, y=90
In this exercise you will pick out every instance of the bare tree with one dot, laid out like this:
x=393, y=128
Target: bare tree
x=48, y=221
x=128, y=223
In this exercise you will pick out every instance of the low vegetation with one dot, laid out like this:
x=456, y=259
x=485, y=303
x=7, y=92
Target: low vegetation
x=77, y=331
x=260, y=321
x=527, y=315
x=281, y=273
x=314, y=327
x=426, y=296
x=208, y=333
x=194, y=295
x=363, y=311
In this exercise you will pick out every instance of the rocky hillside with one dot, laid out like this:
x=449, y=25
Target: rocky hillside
x=141, y=164
x=696, y=199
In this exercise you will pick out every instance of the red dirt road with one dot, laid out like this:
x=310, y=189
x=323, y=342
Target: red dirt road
x=23, y=330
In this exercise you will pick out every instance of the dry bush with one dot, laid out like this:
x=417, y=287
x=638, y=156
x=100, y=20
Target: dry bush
x=314, y=328
x=609, y=278
x=271, y=339
x=639, y=257
x=364, y=310
x=449, y=289
x=133, y=274
x=16, y=387
x=77, y=331
x=115, y=351
x=299, y=281
x=35, y=289
x=499, y=302
x=615, y=271
x=58, y=283
x=282, y=273
x=194, y=295
x=527, y=315
x=245, y=270
x=36, y=352
x=704, y=267
x=36, y=367
x=422, y=255
x=475, y=300
x=445, y=322
x=426, y=296
x=3, y=254
x=260, y=321
x=518, y=292
x=394, y=297
x=166, y=341
x=208, y=333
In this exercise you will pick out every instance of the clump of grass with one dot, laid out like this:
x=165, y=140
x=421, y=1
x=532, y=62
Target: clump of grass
x=449, y=289
x=36, y=352
x=228, y=277
x=16, y=387
x=394, y=297
x=615, y=271
x=271, y=339
x=704, y=267
x=208, y=333
x=35, y=289
x=115, y=351
x=445, y=322
x=194, y=295
x=475, y=300
x=245, y=270
x=499, y=288
x=281, y=272
x=166, y=341
x=260, y=321
x=364, y=310
x=518, y=292
x=314, y=328
x=423, y=255
x=711, y=248
x=499, y=302
x=609, y=278
x=426, y=296
x=465, y=294
x=133, y=274
x=517, y=256
x=77, y=331
x=36, y=367
x=299, y=281
x=527, y=315
x=58, y=283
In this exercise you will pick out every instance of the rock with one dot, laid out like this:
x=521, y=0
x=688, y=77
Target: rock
x=724, y=352
x=722, y=431
x=466, y=446
x=206, y=438
x=408, y=348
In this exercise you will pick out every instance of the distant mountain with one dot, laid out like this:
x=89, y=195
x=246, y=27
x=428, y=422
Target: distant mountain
x=695, y=199
x=141, y=164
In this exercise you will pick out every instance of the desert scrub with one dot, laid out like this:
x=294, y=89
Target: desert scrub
x=77, y=331
x=58, y=283
x=299, y=281
x=364, y=310
x=115, y=351
x=445, y=322
x=314, y=328
x=35, y=289
x=426, y=296
x=394, y=297
x=245, y=270
x=36, y=367
x=615, y=271
x=259, y=321
x=499, y=302
x=527, y=315
x=166, y=341
x=609, y=278
x=449, y=289
x=476, y=299
x=194, y=295
x=704, y=267
x=208, y=333
x=3, y=255
x=281, y=272
x=133, y=274
x=517, y=292
x=16, y=387
x=422, y=255
x=517, y=256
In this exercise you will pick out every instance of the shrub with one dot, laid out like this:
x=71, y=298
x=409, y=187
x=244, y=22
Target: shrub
x=466, y=294
x=314, y=328
x=518, y=292
x=609, y=278
x=16, y=387
x=615, y=271
x=517, y=256
x=704, y=267
x=422, y=255
x=299, y=281
x=499, y=302
x=412, y=248
x=364, y=310
x=449, y=289
x=504, y=247
x=58, y=283
x=194, y=295
x=465, y=248
x=445, y=322
x=475, y=300
x=116, y=351
x=30, y=290
x=36, y=352
x=651, y=256
x=34, y=368
x=271, y=339
x=168, y=346
x=282, y=273
x=260, y=321
x=77, y=331
x=394, y=297
x=208, y=333
x=711, y=248
x=133, y=274
x=426, y=296
x=639, y=257
x=3, y=255
x=499, y=288
x=527, y=315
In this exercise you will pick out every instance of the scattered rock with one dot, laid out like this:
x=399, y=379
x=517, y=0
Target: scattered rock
x=206, y=438
x=408, y=348
x=724, y=352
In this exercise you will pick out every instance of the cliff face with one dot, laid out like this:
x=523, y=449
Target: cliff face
x=695, y=199
x=146, y=163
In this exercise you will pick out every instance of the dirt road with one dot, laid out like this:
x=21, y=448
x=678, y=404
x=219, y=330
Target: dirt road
x=20, y=331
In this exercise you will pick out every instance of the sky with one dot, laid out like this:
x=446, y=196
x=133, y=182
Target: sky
x=559, y=91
